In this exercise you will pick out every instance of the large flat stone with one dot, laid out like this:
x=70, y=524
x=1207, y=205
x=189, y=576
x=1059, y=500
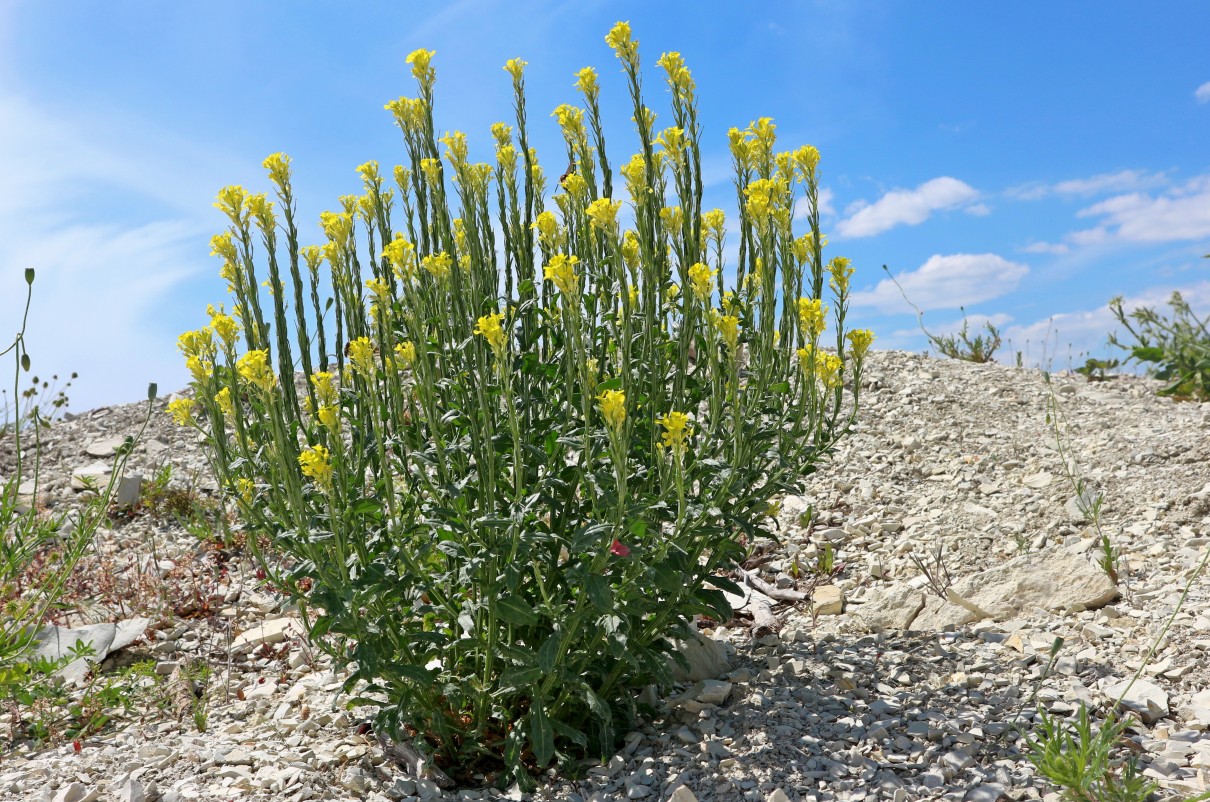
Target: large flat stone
x=1054, y=579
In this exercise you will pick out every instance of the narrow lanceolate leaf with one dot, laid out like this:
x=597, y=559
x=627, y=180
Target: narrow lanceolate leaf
x=541, y=734
x=549, y=653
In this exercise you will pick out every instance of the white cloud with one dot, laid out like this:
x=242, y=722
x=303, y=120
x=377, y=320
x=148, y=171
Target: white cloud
x=946, y=282
x=1102, y=183
x=1202, y=93
x=802, y=209
x=978, y=210
x=1047, y=247
x=1048, y=342
x=1181, y=213
x=906, y=207
x=114, y=215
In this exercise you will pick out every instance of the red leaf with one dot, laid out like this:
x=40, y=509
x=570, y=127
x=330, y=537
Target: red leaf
x=76, y=746
x=619, y=549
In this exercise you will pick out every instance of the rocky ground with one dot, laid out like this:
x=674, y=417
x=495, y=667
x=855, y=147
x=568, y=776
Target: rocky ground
x=873, y=687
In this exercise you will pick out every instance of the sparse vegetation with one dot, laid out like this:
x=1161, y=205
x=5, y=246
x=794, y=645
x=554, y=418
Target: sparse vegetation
x=960, y=345
x=1177, y=347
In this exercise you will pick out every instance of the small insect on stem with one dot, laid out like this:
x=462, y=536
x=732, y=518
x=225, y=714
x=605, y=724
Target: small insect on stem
x=571, y=169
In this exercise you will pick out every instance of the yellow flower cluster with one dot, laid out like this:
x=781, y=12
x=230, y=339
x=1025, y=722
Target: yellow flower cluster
x=630, y=249
x=223, y=399
x=827, y=367
x=438, y=264
x=860, y=339
x=678, y=74
x=361, y=352
x=701, y=279
x=841, y=271
x=278, y=165
x=763, y=195
x=561, y=270
x=812, y=316
x=409, y=114
x=402, y=256
x=181, y=411
x=712, y=225
x=727, y=327
x=491, y=329
x=245, y=487
x=254, y=368
x=325, y=395
x=316, y=464
x=406, y=353
x=623, y=44
x=547, y=226
x=224, y=326
x=515, y=67
x=613, y=408
x=673, y=218
x=421, y=61
x=603, y=213
x=676, y=431
x=586, y=82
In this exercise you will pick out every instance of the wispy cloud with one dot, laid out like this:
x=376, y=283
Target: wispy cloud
x=1100, y=184
x=802, y=209
x=1182, y=213
x=1202, y=93
x=946, y=282
x=1086, y=331
x=114, y=216
x=907, y=207
x=1047, y=247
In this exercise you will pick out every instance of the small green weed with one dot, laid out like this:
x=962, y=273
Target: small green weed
x=960, y=345
x=1097, y=370
x=1178, y=347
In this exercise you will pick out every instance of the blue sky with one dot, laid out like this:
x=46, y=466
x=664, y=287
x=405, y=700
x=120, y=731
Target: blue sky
x=1027, y=161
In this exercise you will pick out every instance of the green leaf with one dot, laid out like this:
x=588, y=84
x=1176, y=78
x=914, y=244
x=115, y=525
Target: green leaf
x=541, y=736
x=599, y=594
x=515, y=611
x=549, y=653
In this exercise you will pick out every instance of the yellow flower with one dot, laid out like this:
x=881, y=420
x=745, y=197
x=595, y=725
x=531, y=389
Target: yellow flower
x=571, y=118
x=315, y=464
x=624, y=46
x=438, y=264
x=827, y=367
x=181, y=411
x=728, y=328
x=325, y=387
x=673, y=217
x=575, y=186
x=489, y=326
x=860, y=339
x=635, y=173
x=225, y=327
x=808, y=159
x=406, y=351
x=604, y=213
x=255, y=369
x=337, y=226
x=231, y=203
x=380, y=290
x=841, y=271
x=676, y=430
x=586, y=82
x=278, y=165
x=199, y=342
x=701, y=280
x=673, y=140
x=223, y=399
x=613, y=408
x=456, y=148
x=673, y=291
x=560, y=270
x=547, y=227
x=741, y=148
x=410, y=114
x=369, y=172
x=678, y=74
x=630, y=249
x=515, y=67
x=200, y=367
x=402, y=256
x=245, y=487
x=812, y=313
x=712, y=224
x=502, y=133
x=762, y=197
x=506, y=158
x=361, y=352
x=421, y=65
x=329, y=417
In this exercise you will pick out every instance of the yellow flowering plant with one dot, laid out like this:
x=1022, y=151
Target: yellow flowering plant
x=531, y=447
